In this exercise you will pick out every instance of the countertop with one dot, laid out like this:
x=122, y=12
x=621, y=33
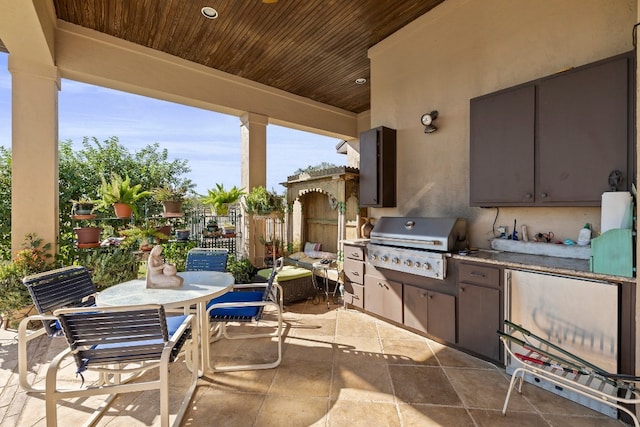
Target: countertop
x=547, y=264
x=542, y=263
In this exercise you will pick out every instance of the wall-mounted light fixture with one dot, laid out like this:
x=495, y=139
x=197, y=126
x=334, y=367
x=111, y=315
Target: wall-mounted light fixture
x=427, y=120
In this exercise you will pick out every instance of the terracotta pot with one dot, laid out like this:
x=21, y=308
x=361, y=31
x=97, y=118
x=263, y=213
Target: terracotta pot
x=166, y=230
x=366, y=228
x=122, y=210
x=87, y=235
x=172, y=208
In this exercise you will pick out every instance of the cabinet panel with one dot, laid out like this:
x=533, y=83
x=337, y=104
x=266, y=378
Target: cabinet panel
x=354, y=252
x=430, y=312
x=502, y=148
x=383, y=297
x=554, y=141
x=582, y=133
x=354, y=294
x=479, y=274
x=354, y=270
x=378, y=168
x=479, y=319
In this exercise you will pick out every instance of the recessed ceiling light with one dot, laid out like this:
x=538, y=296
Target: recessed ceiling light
x=209, y=12
x=361, y=81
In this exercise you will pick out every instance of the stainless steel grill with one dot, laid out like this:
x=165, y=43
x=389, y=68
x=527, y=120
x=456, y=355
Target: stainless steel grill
x=416, y=245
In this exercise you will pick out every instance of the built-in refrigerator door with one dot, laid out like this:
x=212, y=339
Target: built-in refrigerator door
x=578, y=315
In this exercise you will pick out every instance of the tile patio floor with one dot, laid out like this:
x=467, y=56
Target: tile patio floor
x=340, y=368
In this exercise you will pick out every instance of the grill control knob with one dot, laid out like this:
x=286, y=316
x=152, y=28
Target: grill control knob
x=373, y=257
x=396, y=260
x=384, y=258
x=418, y=265
x=408, y=263
x=427, y=266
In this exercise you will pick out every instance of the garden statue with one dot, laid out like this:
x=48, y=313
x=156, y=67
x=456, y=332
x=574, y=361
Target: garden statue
x=160, y=274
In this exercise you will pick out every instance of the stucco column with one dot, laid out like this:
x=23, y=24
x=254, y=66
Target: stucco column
x=253, y=174
x=34, y=150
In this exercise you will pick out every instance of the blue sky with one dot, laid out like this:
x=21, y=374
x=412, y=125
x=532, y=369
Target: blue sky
x=209, y=141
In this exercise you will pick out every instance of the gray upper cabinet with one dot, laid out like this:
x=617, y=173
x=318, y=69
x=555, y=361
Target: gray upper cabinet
x=554, y=141
x=502, y=148
x=378, y=168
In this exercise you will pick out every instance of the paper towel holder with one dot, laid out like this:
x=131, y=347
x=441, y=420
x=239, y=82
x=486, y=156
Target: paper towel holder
x=615, y=178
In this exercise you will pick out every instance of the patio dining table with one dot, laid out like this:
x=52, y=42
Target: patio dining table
x=198, y=288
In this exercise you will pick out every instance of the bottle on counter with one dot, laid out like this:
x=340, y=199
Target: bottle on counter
x=584, y=236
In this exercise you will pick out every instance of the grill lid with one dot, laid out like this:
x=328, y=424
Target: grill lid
x=439, y=234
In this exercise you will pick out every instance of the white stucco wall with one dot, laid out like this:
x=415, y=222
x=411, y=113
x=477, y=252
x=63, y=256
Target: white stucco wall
x=467, y=48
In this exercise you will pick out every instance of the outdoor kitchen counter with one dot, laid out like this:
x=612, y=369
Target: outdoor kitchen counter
x=548, y=264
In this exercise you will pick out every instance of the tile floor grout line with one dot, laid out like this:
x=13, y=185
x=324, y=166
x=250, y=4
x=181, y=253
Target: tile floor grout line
x=393, y=389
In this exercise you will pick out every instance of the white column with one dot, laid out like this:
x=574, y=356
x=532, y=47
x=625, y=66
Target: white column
x=34, y=149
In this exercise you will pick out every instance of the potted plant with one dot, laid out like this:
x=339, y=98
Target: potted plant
x=82, y=208
x=259, y=201
x=143, y=235
x=88, y=235
x=122, y=194
x=219, y=198
x=171, y=199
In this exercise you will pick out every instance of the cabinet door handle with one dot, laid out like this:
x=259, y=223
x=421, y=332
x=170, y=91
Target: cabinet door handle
x=462, y=289
x=475, y=273
x=355, y=273
x=424, y=295
x=528, y=195
x=544, y=195
x=355, y=255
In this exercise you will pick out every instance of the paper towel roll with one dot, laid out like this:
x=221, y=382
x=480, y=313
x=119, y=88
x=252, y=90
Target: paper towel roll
x=617, y=210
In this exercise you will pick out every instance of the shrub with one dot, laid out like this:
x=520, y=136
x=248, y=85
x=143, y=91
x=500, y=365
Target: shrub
x=111, y=266
x=176, y=253
x=242, y=270
x=33, y=258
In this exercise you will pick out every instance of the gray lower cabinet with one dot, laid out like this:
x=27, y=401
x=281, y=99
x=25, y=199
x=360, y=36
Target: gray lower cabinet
x=383, y=297
x=354, y=275
x=480, y=311
x=431, y=312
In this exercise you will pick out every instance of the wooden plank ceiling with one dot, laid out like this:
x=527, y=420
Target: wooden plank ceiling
x=312, y=48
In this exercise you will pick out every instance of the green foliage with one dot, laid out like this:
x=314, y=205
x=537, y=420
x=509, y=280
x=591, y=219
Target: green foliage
x=110, y=266
x=242, y=269
x=142, y=235
x=321, y=166
x=169, y=193
x=5, y=204
x=262, y=202
x=33, y=258
x=120, y=190
x=176, y=253
x=217, y=198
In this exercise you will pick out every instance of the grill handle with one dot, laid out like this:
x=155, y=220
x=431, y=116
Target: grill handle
x=412, y=241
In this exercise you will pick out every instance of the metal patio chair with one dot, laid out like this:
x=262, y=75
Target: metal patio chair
x=116, y=341
x=51, y=290
x=247, y=306
x=207, y=259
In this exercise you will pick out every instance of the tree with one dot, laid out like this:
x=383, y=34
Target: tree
x=321, y=166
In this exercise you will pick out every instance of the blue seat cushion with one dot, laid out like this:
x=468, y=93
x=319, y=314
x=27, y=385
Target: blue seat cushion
x=173, y=323
x=236, y=312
